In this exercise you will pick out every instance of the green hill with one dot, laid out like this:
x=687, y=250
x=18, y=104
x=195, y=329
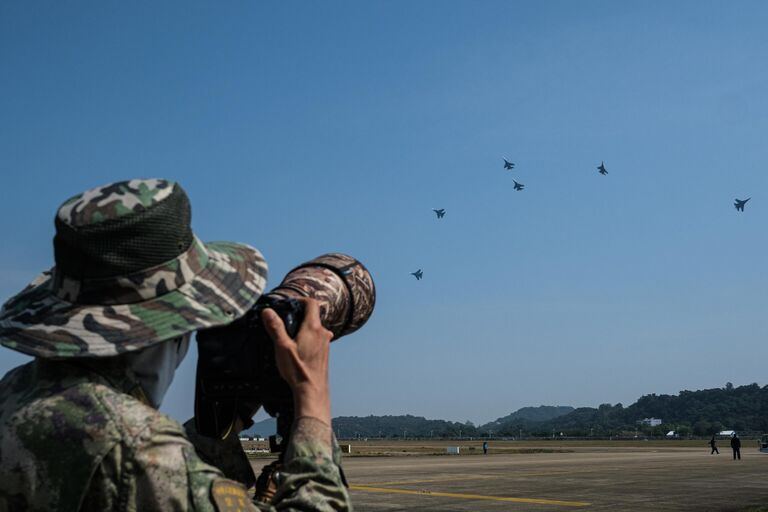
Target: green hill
x=525, y=417
x=742, y=408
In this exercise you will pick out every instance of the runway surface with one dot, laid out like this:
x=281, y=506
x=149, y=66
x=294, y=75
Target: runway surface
x=615, y=480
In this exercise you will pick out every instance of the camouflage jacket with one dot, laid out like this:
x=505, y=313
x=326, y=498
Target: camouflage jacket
x=73, y=439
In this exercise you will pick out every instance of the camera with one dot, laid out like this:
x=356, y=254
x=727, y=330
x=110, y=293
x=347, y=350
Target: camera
x=236, y=369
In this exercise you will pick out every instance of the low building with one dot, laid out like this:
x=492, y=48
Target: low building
x=651, y=422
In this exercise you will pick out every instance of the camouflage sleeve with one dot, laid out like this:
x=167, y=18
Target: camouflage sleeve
x=166, y=473
x=311, y=478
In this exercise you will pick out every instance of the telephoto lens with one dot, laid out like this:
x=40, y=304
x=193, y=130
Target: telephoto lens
x=341, y=284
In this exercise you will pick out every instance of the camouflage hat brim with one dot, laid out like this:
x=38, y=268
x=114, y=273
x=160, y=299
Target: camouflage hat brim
x=40, y=321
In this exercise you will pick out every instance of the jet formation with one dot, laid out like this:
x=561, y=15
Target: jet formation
x=739, y=204
x=509, y=166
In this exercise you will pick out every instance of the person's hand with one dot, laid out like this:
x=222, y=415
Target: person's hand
x=303, y=362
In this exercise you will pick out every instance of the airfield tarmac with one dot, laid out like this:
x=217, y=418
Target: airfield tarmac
x=613, y=476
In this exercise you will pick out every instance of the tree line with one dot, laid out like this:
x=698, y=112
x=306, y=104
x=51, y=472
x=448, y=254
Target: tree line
x=699, y=413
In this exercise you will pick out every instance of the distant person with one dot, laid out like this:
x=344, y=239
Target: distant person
x=713, y=444
x=736, y=445
x=485, y=447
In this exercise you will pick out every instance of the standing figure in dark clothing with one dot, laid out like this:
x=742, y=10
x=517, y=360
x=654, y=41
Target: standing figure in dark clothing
x=485, y=447
x=713, y=444
x=736, y=445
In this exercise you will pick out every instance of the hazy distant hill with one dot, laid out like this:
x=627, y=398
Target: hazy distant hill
x=399, y=426
x=380, y=426
x=526, y=416
x=263, y=428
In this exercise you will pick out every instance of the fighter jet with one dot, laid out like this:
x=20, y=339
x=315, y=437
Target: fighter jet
x=508, y=165
x=601, y=169
x=417, y=274
x=518, y=186
x=739, y=204
x=440, y=213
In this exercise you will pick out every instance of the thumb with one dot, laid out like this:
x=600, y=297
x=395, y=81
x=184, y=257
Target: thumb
x=275, y=328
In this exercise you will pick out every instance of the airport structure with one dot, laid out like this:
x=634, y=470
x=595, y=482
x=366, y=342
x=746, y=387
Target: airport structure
x=651, y=422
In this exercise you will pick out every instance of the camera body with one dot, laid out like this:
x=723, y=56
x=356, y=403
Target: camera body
x=236, y=372
x=236, y=369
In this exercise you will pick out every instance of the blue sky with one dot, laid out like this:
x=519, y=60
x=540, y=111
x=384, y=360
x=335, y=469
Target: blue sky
x=308, y=127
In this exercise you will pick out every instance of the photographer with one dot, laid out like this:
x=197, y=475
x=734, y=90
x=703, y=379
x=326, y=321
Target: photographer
x=108, y=326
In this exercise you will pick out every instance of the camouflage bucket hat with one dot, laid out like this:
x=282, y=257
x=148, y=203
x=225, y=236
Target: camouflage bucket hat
x=129, y=273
